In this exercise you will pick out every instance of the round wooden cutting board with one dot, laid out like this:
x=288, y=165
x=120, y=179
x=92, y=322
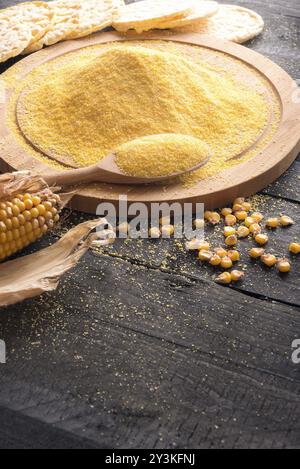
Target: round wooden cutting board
x=270, y=160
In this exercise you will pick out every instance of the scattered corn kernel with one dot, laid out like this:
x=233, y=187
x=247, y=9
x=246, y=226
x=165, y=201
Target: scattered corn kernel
x=226, y=262
x=230, y=220
x=249, y=221
x=255, y=253
x=220, y=252
x=237, y=275
x=224, y=278
x=231, y=240
x=229, y=230
x=234, y=255
x=154, y=232
x=198, y=223
x=239, y=200
x=269, y=259
x=205, y=255
x=294, y=248
x=237, y=207
x=246, y=206
x=215, y=260
x=166, y=220
x=241, y=215
x=207, y=215
x=257, y=217
x=283, y=265
x=272, y=222
x=167, y=230
x=226, y=211
x=194, y=244
x=204, y=245
x=243, y=231
x=124, y=228
x=261, y=238
x=214, y=218
x=255, y=229
x=286, y=221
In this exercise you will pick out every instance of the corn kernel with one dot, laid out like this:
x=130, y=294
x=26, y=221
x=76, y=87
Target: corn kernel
x=194, y=244
x=241, y=215
x=221, y=252
x=255, y=229
x=239, y=200
x=154, y=232
x=294, y=248
x=124, y=228
x=257, y=217
x=255, y=253
x=231, y=240
x=167, y=230
x=237, y=208
x=204, y=255
x=283, y=265
x=272, y=222
x=230, y=220
x=269, y=259
x=214, y=218
x=226, y=262
x=215, y=259
x=261, y=238
x=286, y=221
x=249, y=221
x=234, y=255
x=207, y=215
x=246, y=206
x=204, y=245
x=237, y=275
x=226, y=211
x=229, y=231
x=166, y=220
x=243, y=231
x=198, y=223
x=224, y=278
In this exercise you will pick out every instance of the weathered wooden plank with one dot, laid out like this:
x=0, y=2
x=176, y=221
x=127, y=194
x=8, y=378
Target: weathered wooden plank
x=132, y=357
x=288, y=185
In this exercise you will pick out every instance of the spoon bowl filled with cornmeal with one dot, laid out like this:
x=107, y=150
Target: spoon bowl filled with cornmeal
x=152, y=158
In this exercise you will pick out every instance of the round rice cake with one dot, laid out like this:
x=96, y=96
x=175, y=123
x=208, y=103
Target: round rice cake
x=147, y=14
x=231, y=22
x=201, y=10
x=14, y=38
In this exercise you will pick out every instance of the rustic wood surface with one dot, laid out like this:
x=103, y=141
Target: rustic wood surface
x=139, y=348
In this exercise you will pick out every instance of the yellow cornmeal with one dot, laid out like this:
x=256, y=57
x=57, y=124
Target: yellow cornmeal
x=241, y=113
x=161, y=155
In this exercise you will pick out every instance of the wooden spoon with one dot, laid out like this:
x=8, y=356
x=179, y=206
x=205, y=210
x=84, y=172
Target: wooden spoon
x=108, y=171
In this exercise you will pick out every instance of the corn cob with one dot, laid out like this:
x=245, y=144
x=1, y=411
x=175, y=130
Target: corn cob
x=25, y=218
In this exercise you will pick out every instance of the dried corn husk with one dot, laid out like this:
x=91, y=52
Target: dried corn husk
x=36, y=273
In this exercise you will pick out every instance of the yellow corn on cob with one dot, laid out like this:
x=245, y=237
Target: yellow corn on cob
x=24, y=219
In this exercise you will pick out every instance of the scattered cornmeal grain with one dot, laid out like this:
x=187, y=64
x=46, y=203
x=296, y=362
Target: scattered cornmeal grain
x=224, y=278
x=237, y=275
x=283, y=265
x=204, y=255
x=294, y=248
x=269, y=259
x=286, y=221
x=255, y=253
x=243, y=231
x=272, y=222
x=261, y=238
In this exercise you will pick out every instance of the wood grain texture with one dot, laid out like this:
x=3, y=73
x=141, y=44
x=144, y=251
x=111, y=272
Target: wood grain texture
x=139, y=348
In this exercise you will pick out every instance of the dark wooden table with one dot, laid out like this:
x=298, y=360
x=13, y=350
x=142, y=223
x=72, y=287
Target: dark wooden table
x=139, y=348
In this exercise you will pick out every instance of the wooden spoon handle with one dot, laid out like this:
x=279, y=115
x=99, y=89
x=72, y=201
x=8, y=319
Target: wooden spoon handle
x=72, y=176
